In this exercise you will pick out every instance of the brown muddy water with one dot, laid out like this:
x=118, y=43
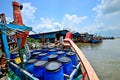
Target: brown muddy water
x=104, y=58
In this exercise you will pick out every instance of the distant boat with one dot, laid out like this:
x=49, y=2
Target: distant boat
x=90, y=38
x=95, y=41
x=111, y=38
x=108, y=38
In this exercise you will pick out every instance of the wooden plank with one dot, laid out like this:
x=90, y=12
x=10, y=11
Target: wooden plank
x=88, y=68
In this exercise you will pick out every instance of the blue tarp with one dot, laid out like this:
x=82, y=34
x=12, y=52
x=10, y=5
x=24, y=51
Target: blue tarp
x=76, y=34
x=34, y=36
x=64, y=32
x=52, y=35
x=39, y=36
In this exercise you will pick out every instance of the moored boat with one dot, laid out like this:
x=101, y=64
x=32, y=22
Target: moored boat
x=95, y=41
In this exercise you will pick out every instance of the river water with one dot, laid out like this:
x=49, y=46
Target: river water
x=104, y=57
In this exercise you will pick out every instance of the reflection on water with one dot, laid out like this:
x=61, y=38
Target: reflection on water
x=84, y=45
x=104, y=57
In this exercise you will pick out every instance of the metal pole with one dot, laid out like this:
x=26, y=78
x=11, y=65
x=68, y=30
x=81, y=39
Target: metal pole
x=74, y=71
x=5, y=45
x=70, y=77
x=20, y=51
x=24, y=72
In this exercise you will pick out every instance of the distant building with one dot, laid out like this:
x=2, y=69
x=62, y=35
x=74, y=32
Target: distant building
x=51, y=36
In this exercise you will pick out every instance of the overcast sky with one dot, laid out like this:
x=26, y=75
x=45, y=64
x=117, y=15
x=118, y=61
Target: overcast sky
x=93, y=16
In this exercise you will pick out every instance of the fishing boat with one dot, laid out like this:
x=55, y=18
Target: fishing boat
x=60, y=61
x=90, y=38
x=95, y=40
